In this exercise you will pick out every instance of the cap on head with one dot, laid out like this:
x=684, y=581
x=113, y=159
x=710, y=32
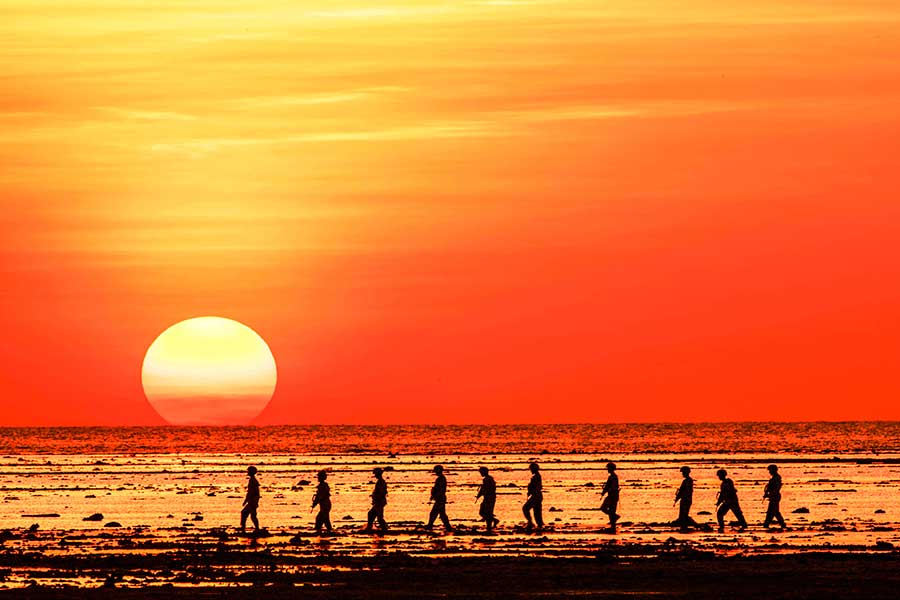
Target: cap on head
x=377, y=471
x=322, y=474
x=438, y=469
x=610, y=466
x=252, y=470
x=483, y=470
x=534, y=467
x=721, y=473
x=773, y=468
x=685, y=470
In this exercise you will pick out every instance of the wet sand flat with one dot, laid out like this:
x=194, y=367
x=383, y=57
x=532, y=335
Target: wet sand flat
x=119, y=510
x=309, y=569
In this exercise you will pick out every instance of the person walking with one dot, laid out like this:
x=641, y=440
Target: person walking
x=534, y=499
x=684, y=497
x=727, y=500
x=322, y=499
x=251, y=500
x=379, y=501
x=773, y=494
x=488, y=493
x=439, y=499
x=611, y=501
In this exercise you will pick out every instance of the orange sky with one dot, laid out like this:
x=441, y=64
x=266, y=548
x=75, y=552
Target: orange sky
x=457, y=212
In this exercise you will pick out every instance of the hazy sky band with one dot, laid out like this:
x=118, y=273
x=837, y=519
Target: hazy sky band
x=456, y=211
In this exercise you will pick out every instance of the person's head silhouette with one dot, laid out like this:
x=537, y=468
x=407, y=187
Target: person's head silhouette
x=483, y=471
x=611, y=467
x=534, y=468
x=722, y=474
x=322, y=475
x=438, y=469
x=685, y=471
x=377, y=471
x=251, y=471
x=773, y=469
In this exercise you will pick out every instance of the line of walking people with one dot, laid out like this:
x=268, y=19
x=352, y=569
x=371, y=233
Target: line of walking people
x=726, y=500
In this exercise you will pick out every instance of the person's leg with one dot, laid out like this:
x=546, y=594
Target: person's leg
x=433, y=515
x=381, y=522
x=538, y=513
x=326, y=518
x=684, y=510
x=254, y=519
x=526, y=510
x=245, y=512
x=318, y=526
x=770, y=514
x=720, y=515
x=613, y=515
x=488, y=512
x=370, y=518
x=445, y=519
x=736, y=509
x=776, y=513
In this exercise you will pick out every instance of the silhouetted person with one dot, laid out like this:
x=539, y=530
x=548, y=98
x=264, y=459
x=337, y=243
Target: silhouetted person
x=535, y=498
x=439, y=497
x=488, y=493
x=611, y=491
x=251, y=500
x=379, y=501
x=685, y=497
x=773, y=493
x=322, y=499
x=727, y=500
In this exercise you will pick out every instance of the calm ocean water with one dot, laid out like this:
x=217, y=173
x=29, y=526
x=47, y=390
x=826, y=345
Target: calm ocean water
x=654, y=438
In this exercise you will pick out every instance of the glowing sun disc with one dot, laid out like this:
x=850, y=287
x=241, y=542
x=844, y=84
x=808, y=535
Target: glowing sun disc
x=209, y=371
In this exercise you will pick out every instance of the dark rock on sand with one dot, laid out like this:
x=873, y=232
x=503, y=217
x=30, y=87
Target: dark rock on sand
x=113, y=524
x=303, y=482
x=94, y=517
x=801, y=511
x=882, y=545
x=880, y=511
x=704, y=512
x=41, y=516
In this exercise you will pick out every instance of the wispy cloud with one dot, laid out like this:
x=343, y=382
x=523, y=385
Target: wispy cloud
x=427, y=131
x=146, y=115
x=313, y=99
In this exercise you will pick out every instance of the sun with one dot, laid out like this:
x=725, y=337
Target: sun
x=209, y=371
